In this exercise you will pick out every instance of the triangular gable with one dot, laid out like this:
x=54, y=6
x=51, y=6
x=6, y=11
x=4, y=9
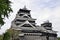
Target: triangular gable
x=26, y=25
x=25, y=15
x=26, y=22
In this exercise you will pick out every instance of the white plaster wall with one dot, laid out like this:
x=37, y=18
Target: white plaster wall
x=35, y=37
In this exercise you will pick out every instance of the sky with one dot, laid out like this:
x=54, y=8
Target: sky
x=42, y=10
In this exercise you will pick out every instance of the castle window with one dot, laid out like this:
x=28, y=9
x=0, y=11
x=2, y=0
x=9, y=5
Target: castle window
x=29, y=15
x=17, y=23
x=21, y=15
x=34, y=25
x=20, y=20
x=25, y=17
x=32, y=21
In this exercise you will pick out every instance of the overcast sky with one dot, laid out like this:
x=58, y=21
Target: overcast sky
x=42, y=10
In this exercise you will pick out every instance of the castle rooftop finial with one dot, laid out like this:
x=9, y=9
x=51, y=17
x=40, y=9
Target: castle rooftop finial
x=25, y=7
x=47, y=21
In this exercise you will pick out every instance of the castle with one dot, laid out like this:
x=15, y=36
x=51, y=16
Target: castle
x=27, y=29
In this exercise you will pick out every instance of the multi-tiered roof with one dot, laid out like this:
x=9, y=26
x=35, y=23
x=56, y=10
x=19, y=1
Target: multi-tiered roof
x=25, y=22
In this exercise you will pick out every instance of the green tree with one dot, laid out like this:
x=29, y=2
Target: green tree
x=5, y=9
x=58, y=38
x=1, y=37
x=8, y=34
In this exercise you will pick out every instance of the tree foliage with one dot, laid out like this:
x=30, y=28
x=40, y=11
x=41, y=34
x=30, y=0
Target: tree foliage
x=5, y=9
x=8, y=34
x=1, y=37
x=58, y=38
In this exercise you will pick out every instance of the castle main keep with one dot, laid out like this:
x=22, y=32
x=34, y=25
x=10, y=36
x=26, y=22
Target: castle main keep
x=26, y=28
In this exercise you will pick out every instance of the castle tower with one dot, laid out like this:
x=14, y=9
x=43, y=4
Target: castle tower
x=24, y=19
x=26, y=28
x=47, y=25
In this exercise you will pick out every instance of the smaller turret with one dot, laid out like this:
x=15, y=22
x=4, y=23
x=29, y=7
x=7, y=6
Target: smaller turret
x=47, y=25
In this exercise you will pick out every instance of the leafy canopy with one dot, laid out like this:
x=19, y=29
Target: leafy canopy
x=5, y=9
x=8, y=34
